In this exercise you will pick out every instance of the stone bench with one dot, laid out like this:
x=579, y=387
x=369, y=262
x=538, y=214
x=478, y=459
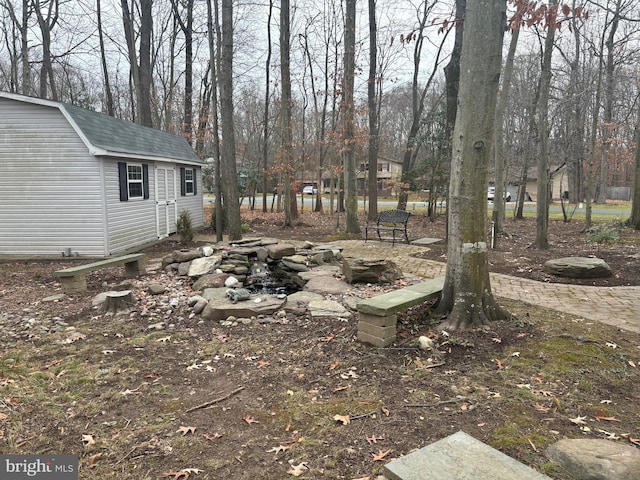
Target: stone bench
x=74, y=279
x=377, y=315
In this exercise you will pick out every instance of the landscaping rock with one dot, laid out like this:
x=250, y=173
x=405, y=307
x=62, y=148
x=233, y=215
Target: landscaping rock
x=596, y=459
x=220, y=310
x=327, y=308
x=204, y=265
x=212, y=280
x=370, y=271
x=326, y=285
x=577, y=267
x=279, y=250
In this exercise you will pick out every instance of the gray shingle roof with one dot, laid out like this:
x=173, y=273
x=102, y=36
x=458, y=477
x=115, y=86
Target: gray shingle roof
x=119, y=136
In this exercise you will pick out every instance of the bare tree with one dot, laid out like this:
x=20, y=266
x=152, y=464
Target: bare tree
x=265, y=118
x=348, y=119
x=467, y=296
x=286, y=110
x=373, y=112
x=103, y=62
x=228, y=152
x=186, y=25
x=634, y=220
x=47, y=13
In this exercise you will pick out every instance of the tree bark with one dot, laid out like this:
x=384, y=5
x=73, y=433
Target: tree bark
x=467, y=296
x=103, y=61
x=500, y=157
x=265, y=118
x=373, y=114
x=287, y=132
x=634, y=220
x=348, y=120
x=543, y=193
x=228, y=162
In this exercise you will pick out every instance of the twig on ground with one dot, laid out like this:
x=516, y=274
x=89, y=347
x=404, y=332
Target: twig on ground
x=213, y=402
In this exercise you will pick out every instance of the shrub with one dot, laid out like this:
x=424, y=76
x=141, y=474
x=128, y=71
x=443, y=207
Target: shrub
x=602, y=234
x=184, y=227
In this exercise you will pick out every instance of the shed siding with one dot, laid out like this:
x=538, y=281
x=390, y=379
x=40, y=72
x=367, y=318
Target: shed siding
x=50, y=186
x=131, y=223
x=192, y=203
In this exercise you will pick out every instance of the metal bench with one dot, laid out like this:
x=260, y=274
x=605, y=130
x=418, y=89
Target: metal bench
x=389, y=221
x=74, y=279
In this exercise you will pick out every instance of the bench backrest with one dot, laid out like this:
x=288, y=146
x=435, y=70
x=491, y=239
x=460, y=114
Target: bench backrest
x=394, y=216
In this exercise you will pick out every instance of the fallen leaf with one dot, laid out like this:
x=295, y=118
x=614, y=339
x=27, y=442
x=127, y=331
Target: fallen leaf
x=88, y=440
x=635, y=441
x=279, y=449
x=211, y=437
x=496, y=340
x=498, y=363
x=193, y=366
x=544, y=393
x=386, y=411
x=180, y=475
x=249, y=419
x=197, y=471
x=91, y=462
x=377, y=457
x=339, y=389
x=521, y=335
x=610, y=436
x=263, y=363
x=334, y=365
x=515, y=354
x=606, y=401
x=611, y=345
x=541, y=408
x=601, y=416
x=342, y=418
x=632, y=363
x=578, y=420
x=373, y=439
x=297, y=470
x=186, y=430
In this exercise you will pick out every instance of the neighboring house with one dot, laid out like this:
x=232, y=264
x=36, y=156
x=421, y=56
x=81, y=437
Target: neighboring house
x=557, y=186
x=77, y=182
x=388, y=170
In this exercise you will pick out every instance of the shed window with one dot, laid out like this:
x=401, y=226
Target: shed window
x=133, y=180
x=188, y=181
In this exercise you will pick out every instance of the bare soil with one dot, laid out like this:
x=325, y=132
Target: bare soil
x=157, y=393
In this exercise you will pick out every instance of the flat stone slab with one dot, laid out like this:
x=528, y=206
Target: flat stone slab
x=459, y=457
x=398, y=300
x=425, y=241
x=577, y=267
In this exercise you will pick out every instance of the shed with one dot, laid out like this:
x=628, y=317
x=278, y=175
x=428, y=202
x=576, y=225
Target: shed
x=75, y=182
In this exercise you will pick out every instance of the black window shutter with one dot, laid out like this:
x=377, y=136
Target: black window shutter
x=195, y=182
x=122, y=178
x=145, y=180
x=183, y=184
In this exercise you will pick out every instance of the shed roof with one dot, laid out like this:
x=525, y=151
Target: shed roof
x=110, y=136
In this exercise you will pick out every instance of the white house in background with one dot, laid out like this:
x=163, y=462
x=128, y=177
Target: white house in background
x=77, y=182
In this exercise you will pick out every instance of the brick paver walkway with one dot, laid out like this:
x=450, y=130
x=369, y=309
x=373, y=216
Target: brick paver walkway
x=618, y=306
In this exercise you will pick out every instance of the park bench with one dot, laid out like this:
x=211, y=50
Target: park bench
x=74, y=279
x=389, y=221
x=377, y=315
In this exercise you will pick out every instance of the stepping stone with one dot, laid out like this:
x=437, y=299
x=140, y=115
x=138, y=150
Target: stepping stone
x=425, y=241
x=459, y=457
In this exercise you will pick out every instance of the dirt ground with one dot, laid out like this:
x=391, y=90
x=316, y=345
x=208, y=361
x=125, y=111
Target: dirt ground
x=157, y=393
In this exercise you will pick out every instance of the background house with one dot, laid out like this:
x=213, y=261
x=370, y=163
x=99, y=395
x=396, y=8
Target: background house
x=77, y=182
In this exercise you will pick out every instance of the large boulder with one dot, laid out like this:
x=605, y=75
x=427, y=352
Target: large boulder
x=577, y=267
x=370, y=271
x=589, y=459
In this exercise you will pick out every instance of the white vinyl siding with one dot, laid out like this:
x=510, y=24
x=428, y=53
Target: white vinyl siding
x=193, y=203
x=131, y=223
x=50, y=185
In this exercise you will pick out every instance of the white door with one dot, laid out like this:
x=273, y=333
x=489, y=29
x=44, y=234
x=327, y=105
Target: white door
x=165, y=201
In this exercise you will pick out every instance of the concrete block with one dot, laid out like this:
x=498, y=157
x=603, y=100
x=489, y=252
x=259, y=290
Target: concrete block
x=375, y=341
x=385, y=321
x=377, y=331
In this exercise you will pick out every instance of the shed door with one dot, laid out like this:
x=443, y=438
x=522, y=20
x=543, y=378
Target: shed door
x=165, y=201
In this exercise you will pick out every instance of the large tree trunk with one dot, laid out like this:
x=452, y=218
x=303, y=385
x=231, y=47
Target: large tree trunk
x=467, y=296
x=228, y=162
x=373, y=114
x=103, y=61
x=634, y=220
x=287, y=132
x=543, y=193
x=265, y=121
x=348, y=119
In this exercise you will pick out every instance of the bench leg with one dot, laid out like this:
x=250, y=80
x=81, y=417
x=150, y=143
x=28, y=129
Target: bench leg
x=406, y=236
x=133, y=269
x=74, y=284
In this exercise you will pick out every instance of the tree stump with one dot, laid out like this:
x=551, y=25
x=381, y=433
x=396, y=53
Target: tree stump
x=118, y=301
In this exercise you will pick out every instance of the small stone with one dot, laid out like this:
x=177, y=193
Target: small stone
x=54, y=298
x=231, y=282
x=156, y=289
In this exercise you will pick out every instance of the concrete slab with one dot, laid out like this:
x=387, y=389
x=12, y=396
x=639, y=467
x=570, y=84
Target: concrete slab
x=425, y=241
x=459, y=457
